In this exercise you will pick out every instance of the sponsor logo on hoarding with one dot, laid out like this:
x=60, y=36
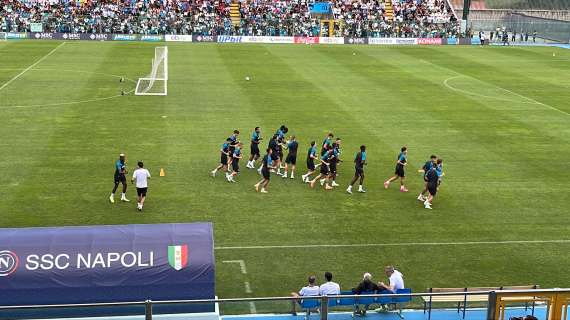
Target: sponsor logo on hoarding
x=99, y=36
x=16, y=35
x=124, y=37
x=429, y=41
x=356, y=40
x=331, y=40
x=451, y=41
x=180, y=38
x=406, y=41
x=178, y=256
x=203, y=39
x=8, y=263
x=307, y=40
x=147, y=37
x=43, y=35
x=68, y=36
x=267, y=39
x=229, y=39
x=381, y=41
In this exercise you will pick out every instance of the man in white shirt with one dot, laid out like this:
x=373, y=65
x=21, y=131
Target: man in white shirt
x=141, y=176
x=396, y=280
x=329, y=288
x=310, y=290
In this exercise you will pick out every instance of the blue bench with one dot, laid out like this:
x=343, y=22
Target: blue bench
x=367, y=301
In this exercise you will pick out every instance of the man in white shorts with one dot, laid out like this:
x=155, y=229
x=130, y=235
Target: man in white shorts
x=141, y=176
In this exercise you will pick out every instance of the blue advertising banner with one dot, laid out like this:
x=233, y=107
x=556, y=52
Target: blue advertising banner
x=106, y=264
x=321, y=8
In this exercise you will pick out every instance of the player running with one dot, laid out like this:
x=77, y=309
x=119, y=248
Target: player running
x=291, y=160
x=432, y=183
x=427, y=166
x=254, y=148
x=120, y=177
x=334, y=161
x=236, y=156
x=399, y=173
x=325, y=170
x=359, y=163
x=224, y=156
x=266, y=167
x=141, y=176
x=311, y=157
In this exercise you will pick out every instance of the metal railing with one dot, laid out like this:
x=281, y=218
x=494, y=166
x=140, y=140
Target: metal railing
x=324, y=300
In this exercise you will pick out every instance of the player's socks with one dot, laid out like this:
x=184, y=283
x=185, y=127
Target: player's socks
x=421, y=197
x=386, y=184
x=403, y=189
x=349, y=189
x=292, y=177
x=256, y=186
x=327, y=187
x=124, y=198
x=334, y=184
x=284, y=175
x=213, y=173
x=322, y=181
x=263, y=190
x=112, y=198
x=361, y=189
x=312, y=183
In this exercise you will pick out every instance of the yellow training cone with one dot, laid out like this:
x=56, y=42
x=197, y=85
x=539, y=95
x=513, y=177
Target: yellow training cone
x=162, y=174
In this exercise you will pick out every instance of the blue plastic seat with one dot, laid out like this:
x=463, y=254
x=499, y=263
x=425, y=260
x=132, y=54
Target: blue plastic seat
x=348, y=301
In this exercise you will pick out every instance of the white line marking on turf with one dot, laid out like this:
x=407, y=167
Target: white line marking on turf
x=30, y=67
x=252, y=308
x=241, y=265
x=450, y=87
x=247, y=287
x=405, y=244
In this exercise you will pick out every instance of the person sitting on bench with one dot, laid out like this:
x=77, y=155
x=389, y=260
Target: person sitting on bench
x=366, y=285
x=310, y=290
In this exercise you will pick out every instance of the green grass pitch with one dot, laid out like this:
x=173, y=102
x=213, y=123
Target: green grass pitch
x=499, y=117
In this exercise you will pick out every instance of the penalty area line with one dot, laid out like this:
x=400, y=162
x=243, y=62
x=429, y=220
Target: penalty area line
x=31, y=66
x=405, y=244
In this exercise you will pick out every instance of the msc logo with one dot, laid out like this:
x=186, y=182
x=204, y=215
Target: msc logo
x=8, y=263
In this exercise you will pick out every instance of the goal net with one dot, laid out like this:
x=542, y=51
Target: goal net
x=156, y=83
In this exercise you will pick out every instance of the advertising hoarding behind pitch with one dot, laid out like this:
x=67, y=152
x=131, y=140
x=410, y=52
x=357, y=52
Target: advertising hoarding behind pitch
x=68, y=265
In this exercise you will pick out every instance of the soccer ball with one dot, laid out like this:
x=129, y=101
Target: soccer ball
x=247, y=79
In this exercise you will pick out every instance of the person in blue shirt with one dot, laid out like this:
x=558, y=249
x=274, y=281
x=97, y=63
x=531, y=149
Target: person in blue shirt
x=334, y=160
x=291, y=159
x=432, y=182
x=236, y=156
x=120, y=177
x=359, y=163
x=311, y=157
x=254, y=149
x=266, y=167
x=224, y=156
x=325, y=170
x=399, y=173
x=327, y=143
x=427, y=167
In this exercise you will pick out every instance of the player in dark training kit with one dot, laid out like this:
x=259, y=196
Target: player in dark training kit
x=399, y=173
x=359, y=163
x=311, y=157
x=120, y=177
x=325, y=170
x=236, y=156
x=224, y=156
x=427, y=166
x=432, y=180
x=254, y=148
x=266, y=167
x=291, y=159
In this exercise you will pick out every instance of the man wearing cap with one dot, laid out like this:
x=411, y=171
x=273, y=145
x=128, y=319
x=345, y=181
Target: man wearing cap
x=120, y=176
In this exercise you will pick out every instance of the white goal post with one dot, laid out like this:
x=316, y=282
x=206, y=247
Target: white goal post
x=156, y=83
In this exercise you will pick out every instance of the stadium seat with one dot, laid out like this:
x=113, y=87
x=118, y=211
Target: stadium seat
x=308, y=305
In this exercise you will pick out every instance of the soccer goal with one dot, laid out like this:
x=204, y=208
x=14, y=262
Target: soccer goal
x=156, y=83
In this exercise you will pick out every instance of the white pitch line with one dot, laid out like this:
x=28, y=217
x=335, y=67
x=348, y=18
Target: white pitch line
x=30, y=67
x=252, y=308
x=241, y=265
x=406, y=244
x=247, y=287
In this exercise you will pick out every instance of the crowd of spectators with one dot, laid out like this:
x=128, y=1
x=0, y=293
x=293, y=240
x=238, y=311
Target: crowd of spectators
x=366, y=285
x=355, y=18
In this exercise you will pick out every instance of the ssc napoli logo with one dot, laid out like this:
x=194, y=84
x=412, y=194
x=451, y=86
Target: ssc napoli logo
x=8, y=263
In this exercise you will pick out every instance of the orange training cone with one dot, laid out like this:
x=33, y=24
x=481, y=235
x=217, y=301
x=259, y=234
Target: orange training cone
x=162, y=174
